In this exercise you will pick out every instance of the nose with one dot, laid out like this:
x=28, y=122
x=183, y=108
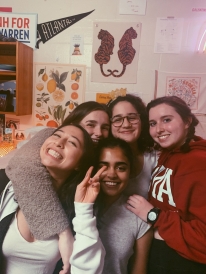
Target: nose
x=60, y=142
x=159, y=127
x=97, y=131
x=126, y=122
x=111, y=173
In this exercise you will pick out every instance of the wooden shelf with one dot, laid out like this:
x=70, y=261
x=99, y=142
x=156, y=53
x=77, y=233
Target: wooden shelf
x=21, y=56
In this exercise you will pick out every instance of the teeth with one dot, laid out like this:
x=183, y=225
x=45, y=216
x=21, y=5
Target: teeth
x=111, y=183
x=54, y=154
x=95, y=140
x=163, y=136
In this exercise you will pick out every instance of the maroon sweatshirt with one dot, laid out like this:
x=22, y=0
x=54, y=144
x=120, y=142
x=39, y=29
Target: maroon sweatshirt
x=178, y=188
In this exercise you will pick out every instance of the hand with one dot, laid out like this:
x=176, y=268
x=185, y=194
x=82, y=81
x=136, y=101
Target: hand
x=89, y=188
x=139, y=206
x=65, y=271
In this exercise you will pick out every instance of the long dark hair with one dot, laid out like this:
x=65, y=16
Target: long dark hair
x=83, y=110
x=144, y=142
x=185, y=113
x=68, y=189
x=110, y=142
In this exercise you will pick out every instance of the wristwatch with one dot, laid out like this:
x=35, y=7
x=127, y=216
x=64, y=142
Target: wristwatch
x=152, y=215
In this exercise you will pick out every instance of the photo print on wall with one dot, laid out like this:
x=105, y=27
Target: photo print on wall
x=58, y=90
x=115, y=52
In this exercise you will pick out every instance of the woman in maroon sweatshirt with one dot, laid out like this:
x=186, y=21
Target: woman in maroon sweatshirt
x=177, y=194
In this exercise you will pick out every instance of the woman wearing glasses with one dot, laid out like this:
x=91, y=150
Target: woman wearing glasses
x=129, y=121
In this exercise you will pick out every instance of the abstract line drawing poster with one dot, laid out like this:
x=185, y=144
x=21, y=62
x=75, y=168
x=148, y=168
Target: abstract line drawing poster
x=189, y=87
x=58, y=90
x=115, y=52
x=168, y=35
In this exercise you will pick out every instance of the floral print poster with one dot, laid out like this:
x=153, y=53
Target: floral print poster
x=189, y=87
x=58, y=90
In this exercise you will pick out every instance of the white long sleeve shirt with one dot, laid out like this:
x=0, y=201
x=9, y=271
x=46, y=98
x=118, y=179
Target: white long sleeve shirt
x=88, y=252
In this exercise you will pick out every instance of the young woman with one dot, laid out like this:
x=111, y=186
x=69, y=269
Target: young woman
x=66, y=154
x=129, y=121
x=122, y=233
x=176, y=206
x=95, y=119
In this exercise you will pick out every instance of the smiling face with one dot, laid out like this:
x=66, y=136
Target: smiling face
x=127, y=131
x=61, y=152
x=167, y=127
x=115, y=178
x=97, y=124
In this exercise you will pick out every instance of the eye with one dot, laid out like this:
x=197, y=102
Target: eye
x=90, y=125
x=122, y=168
x=167, y=120
x=73, y=143
x=101, y=165
x=57, y=135
x=105, y=128
x=152, y=124
x=117, y=120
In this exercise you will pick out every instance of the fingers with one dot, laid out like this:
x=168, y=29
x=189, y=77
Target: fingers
x=97, y=175
x=86, y=178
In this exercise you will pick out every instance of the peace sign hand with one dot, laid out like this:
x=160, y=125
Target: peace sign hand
x=89, y=188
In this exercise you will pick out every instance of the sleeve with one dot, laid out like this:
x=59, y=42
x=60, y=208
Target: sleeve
x=88, y=253
x=184, y=229
x=33, y=189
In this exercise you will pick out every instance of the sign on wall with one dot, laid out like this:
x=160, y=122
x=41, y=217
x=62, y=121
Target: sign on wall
x=58, y=90
x=21, y=26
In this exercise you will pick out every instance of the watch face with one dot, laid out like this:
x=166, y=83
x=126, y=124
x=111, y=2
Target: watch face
x=152, y=216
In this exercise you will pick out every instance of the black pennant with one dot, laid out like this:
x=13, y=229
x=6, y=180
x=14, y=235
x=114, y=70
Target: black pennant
x=48, y=30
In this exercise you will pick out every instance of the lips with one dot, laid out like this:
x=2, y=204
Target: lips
x=126, y=132
x=163, y=137
x=95, y=141
x=110, y=184
x=54, y=154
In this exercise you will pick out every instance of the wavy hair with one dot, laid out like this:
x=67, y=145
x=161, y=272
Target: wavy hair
x=68, y=189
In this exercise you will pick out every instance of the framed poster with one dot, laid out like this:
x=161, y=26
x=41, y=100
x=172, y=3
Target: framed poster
x=188, y=86
x=58, y=89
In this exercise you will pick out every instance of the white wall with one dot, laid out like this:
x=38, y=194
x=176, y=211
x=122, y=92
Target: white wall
x=58, y=48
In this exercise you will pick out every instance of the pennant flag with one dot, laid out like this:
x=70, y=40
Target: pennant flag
x=48, y=30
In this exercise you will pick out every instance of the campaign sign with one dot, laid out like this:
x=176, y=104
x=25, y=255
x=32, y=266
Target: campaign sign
x=21, y=26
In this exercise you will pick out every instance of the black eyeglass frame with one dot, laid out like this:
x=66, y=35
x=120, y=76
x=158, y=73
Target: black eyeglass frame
x=128, y=119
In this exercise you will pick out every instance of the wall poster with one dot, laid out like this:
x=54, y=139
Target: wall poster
x=115, y=52
x=58, y=89
x=190, y=87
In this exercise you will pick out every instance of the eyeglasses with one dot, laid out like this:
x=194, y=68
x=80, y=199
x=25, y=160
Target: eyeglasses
x=132, y=119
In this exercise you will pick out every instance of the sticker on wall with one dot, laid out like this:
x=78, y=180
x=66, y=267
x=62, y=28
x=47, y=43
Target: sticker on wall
x=77, y=44
x=115, y=52
x=189, y=87
x=48, y=30
x=59, y=89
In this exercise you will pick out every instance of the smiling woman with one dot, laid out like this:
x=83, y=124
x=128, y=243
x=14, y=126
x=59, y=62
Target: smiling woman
x=66, y=154
x=176, y=207
x=90, y=115
x=122, y=234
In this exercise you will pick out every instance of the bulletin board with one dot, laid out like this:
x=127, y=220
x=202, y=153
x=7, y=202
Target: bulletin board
x=58, y=90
